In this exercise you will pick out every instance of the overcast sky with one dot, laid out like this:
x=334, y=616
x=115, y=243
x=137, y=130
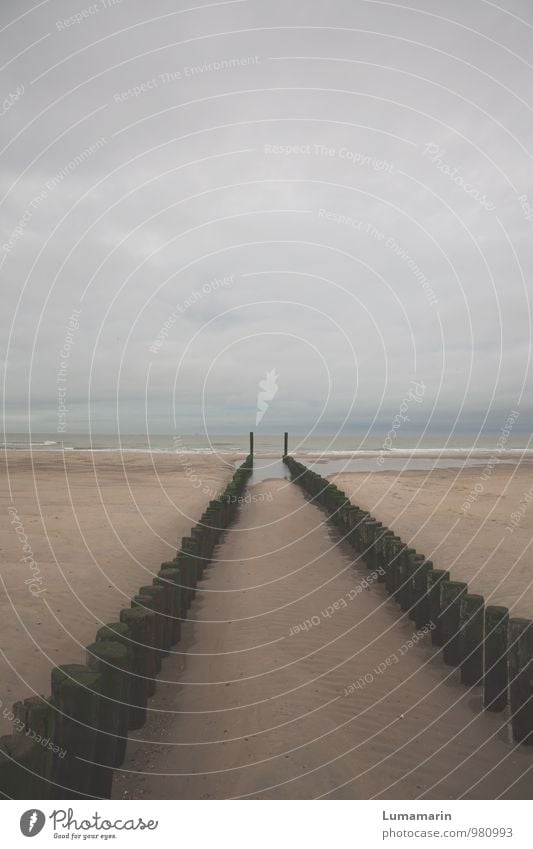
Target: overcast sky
x=355, y=176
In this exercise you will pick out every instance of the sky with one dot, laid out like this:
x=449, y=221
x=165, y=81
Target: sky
x=335, y=198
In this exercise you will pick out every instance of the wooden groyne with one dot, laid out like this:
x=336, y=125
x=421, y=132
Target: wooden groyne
x=67, y=746
x=490, y=648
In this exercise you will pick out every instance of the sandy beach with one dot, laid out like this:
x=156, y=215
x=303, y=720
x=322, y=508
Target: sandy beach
x=93, y=528
x=298, y=678
x=462, y=521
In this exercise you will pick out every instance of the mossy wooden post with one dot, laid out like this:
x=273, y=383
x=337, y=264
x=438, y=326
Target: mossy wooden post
x=35, y=720
x=113, y=661
x=420, y=593
x=170, y=580
x=435, y=577
x=140, y=625
x=76, y=702
x=384, y=536
x=199, y=535
x=163, y=611
x=451, y=595
x=251, y=443
x=393, y=545
x=189, y=550
x=521, y=679
x=495, y=677
x=285, y=444
x=179, y=565
x=471, y=639
x=17, y=770
x=147, y=601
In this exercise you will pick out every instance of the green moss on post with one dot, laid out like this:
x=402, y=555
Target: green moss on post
x=113, y=661
x=451, y=593
x=18, y=758
x=170, y=580
x=420, y=593
x=35, y=720
x=495, y=678
x=521, y=679
x=149, y=603
x=76, y=702
x=471, y=639
x=435, y=577
x=140, y=624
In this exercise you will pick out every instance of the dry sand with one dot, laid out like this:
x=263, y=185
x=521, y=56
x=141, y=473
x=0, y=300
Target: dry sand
x=245, y=708
x=98, y=526
x=426, y=510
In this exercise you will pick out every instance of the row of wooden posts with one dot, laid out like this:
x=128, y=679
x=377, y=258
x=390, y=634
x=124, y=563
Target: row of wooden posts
x=68, y=745
x=490, y=648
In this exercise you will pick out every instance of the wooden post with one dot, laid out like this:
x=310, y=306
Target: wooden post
x=76, y=699
x=471, y=639
x=420, y=592
x=140, y=625
x=451, y=594
x=251, y=443
x=495, y=676
x=285, y=444
x=435, y=577
x=17, y=768
x=113, y=661
x=521, y=679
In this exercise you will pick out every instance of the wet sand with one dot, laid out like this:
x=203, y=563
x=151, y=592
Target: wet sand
x=96, y=527
x=253, y=705
x=427, y=509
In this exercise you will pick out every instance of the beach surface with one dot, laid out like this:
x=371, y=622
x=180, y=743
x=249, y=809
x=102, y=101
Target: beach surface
x=93, y=527
x=297, y=677
x=462, y=520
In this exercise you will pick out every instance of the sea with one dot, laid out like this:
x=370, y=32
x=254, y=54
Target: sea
x=331, y=452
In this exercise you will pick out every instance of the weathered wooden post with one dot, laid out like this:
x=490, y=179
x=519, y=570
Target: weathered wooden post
x=435, y=577
x=495, y=678
x=113, y=661
x=76, y=699
x=251, y=443
x=420, y=593
x=471, y=639
x=17, y=768
x=521, y=679
x=451, y=595
x=35, y=720
x=285, y=444
x=141, y=624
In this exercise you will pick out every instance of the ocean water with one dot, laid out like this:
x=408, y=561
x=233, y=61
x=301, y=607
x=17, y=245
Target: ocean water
x=329, y=454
